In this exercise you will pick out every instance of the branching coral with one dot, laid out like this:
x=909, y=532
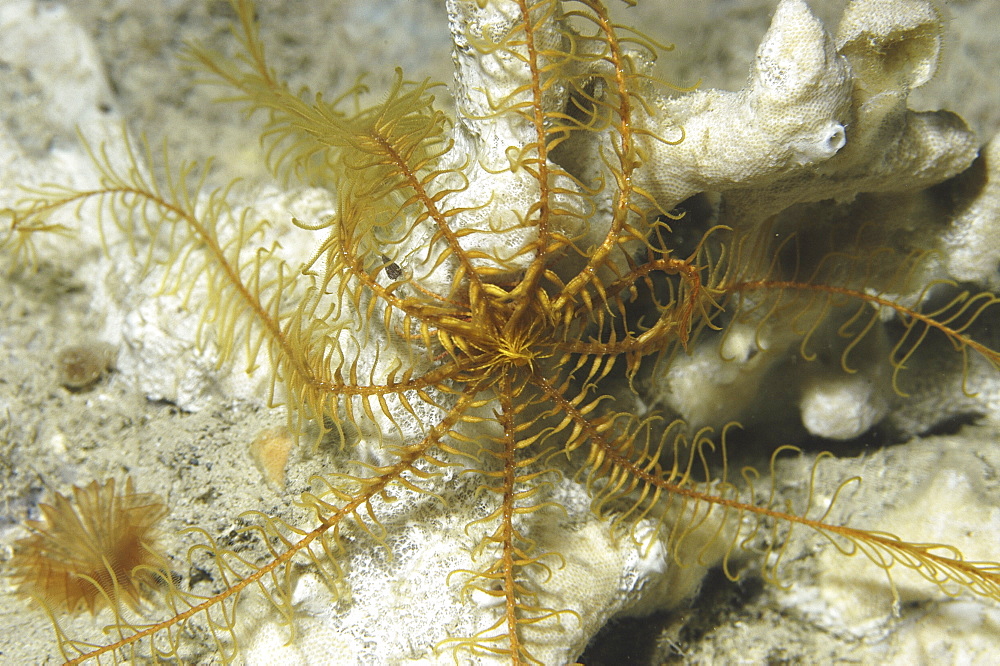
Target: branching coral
x=489, y=302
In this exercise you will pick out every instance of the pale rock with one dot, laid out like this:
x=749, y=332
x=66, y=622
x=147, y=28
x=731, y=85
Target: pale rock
x=835, y=405
x=875, y=178
x=951, y=497
x=972, y=244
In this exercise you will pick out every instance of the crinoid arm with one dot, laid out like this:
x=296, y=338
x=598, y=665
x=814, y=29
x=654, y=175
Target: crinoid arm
x=875, y=285
x=19, y=235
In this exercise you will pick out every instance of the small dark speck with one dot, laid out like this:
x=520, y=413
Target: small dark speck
x=197, y=575
x=208, y=496
x=392, y=269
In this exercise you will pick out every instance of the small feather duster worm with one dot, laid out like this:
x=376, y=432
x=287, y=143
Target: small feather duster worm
x=100, y=552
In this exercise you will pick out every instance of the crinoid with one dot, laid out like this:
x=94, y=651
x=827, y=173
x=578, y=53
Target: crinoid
x=481, y=321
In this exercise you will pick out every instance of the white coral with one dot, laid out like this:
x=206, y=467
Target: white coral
x=790, y=115
x=850, y=94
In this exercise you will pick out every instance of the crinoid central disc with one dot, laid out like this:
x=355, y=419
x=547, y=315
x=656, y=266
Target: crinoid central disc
x=516, y=352
x=502, y=330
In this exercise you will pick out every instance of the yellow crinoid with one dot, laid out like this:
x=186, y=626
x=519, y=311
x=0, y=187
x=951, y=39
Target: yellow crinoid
x=482, y=317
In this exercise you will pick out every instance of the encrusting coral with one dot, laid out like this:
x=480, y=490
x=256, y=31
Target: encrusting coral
x=498, y=315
